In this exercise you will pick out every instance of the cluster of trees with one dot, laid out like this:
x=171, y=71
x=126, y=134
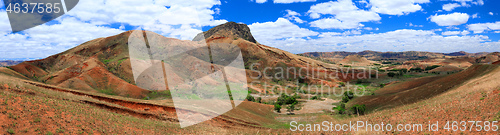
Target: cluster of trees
x=401, y=72
x=284, y=99
x=431, y=67
x=397, y=72
x=417, y=69
x=252, y=99
x=356, y=109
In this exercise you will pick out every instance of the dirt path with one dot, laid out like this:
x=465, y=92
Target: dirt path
x=317, y=106
x=313, y=106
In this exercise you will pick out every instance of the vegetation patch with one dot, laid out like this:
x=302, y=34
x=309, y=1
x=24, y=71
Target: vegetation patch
x=107, y=91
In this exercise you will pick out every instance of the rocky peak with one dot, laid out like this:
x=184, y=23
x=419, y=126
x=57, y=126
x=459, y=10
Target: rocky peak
x=229, y=29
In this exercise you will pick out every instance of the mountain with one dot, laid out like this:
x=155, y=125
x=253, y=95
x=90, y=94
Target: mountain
x=8, y=63
x=357, y=60
x=228, y=30
x=103, y=65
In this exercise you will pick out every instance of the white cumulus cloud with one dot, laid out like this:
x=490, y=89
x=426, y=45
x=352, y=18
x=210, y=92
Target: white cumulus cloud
x=450, y=19
x=396, y=7
x=292, y=15
x=332, y=23
x=292, y=1
x=447, y=33
x=346, y=15
x=261, y=1
x=282, y=28
x=450, y=6
x=481, y=27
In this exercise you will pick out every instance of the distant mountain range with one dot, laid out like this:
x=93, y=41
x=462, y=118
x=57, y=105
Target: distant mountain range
x=6, y=63
x=409, y=55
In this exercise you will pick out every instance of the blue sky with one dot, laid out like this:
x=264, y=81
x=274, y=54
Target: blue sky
x=293, y=25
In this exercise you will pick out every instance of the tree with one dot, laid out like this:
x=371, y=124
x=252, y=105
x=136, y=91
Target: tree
x=259, y=100
x=250, y=98
x=340, y=109
x=345, y=99
x=349, y=94
x=358, y=109
x=291, y=108
x=391, y=74
x=277, y=108
x=404, y=70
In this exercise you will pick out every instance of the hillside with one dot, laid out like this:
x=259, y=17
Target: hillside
x=422, y=88
x=356, y=60
x=103, y=65
x=92, y=88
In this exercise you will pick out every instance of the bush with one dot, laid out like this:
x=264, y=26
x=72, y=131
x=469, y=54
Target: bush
x=349, y=94
x=340, y=108
x=315, y=98
x=250, y=98
x=277, y=108
x=291, y=108
x=359, y=81
x=342, y=84
x=391, y=74
x=404, y=70
x=345, y=99
x=10, y=131
x=382, y=85
x=358, y=109
x=259, y=100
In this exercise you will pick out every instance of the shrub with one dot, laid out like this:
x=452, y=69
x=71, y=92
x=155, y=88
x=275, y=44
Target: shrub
x=382, y=85
x=340, y=109
x=259, y=100
x=315, y=98
x=277, y=108
x=349, y=94
x=404, y=70
x=10, y=131
x=345, y=99
x=390, y=74
x=359, y=81
x=250, y=98
x=291, y=108
x=342, y=84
